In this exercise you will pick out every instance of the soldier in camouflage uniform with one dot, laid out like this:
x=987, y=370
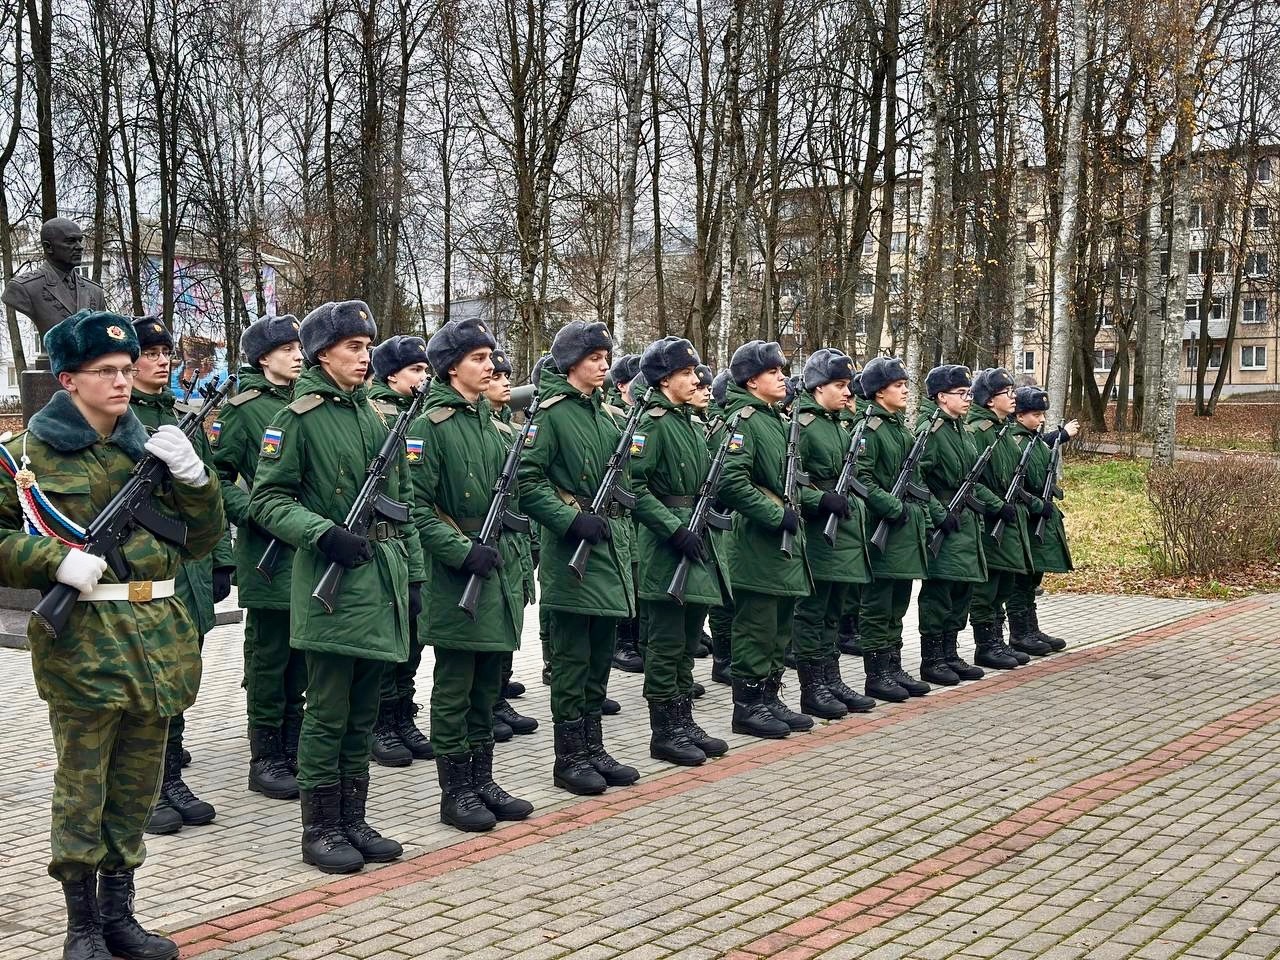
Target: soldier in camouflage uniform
x=129, y=657
x=201, y=584
x=275, y=673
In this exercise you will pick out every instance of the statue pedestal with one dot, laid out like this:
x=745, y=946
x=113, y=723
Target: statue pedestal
x=37, y=385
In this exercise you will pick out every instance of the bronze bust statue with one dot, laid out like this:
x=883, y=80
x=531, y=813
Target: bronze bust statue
x=53, y=291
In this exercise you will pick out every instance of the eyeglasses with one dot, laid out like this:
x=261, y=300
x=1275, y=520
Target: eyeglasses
x=966, y=394
x=1007, y=392
x=157, y=353
x=109, y=374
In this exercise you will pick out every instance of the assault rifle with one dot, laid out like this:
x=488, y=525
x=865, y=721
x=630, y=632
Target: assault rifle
x=964, y=498
x=1051, y=490
x=848, y=481
x=371, y=501
x=904, y=486
x=1015, y=490
x=131, y=507
x=704, y=514
x=792, y=478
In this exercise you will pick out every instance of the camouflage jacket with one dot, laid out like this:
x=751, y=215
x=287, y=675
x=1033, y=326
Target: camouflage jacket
x=139, y=657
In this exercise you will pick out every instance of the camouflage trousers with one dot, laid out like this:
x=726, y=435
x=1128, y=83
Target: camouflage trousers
x=109, y=765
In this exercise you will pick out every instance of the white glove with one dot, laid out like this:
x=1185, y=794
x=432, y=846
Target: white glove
x=172, y=446
x=81, y=570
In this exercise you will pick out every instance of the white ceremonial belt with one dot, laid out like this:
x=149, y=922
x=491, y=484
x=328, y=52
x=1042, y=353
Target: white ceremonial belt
x=135, y=591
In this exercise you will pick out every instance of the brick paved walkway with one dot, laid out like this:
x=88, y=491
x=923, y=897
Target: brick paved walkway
x=1119, y=800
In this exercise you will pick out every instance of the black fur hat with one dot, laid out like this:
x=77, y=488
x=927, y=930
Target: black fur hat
x=879, y=373
x=152, y=332
x=454, y=341
x=265, y=334
x=826, y=365
x=87, y=335
x=624, y=369
x=396, y=353
x=501, y=362
x=720, y=386
x=753, y=358
x=576, y=339
x=664, y=357
x=705, y=377
x=333, y=321
x=988, y=383
x=949, y=376
x=1030, y=400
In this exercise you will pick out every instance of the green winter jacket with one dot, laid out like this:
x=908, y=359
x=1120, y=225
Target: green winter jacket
x=195, y=582
x=143, y=658
x=386, y=401
x=235, y=441
x=1053, y=555
x=572, y=439
x=824, y=440
x=455, y=455
x=311, y=464
x=751, y=486
x=669, y=459
x=888, y=441
x=1013, y=553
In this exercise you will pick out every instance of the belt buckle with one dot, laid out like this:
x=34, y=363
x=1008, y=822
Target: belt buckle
x=140, y=591
x=382, y=531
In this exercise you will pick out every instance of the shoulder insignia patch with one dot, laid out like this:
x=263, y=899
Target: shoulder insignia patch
x=873, y=422
x=306, y=403
x=531, y=435
x=441, y=414
x=244, y=396
x=272, y=442
x=215, y=433
x=807, y=418
x=413, y=450
x=937, y=425
x=747, y=412
x=983, y=425
x=637, y=444
x=736, y=443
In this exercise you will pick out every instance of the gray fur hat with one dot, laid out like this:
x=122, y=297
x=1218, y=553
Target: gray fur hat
x=826, y=365
x=152, y=332
x=988, y=383
x=855, y=386
x=333, y=321
x=949, y=376
x=1030, y=400
x=637, y=386
x=265, y=334
x=664, y=357
x=705, y=377
x=576, y=339
x=879, y=373
x=720, y=386
x=396, y=353
x=753, y=358
x=454, y=341
x=501, y=362
x=624, y=369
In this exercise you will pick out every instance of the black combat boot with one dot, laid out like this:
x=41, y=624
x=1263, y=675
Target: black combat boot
x=798, y=722
x=414, y=740
x=626, y=652
x=123, y=934
x=815, y=698
x=502, y=732
x=610, y=707
x=721, y=656
x=698, y=690
x=373, y=846
x=850, y=697
x=1021, y=656
x=546, y=674
x=711, y=746
x=704, y=646
x=669, y=740
x=290, y=733
x=615, y=774
x=1054, y=643
x=194, y=811
x=573, y=770
x=933, y=660
x=512, y=689
x=958, y=665
x=849, y=641
x=269, y=771
x=163, y=819
x=1022, y=637
x=186, y=758
x=84, y=925
x=460, y=805
x=880, y=684
x=518, y=722
x=324, y=844
x=388, y=749
x=989, y=649
x=500, y=803
x=917, y=688
x=751, y=716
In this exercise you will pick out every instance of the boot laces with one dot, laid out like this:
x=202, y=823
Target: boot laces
x=179, y=794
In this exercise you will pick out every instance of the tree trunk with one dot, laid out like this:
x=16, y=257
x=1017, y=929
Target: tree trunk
x=879, y=318
x=731, y=203
x=6, y=234
x=40, y=18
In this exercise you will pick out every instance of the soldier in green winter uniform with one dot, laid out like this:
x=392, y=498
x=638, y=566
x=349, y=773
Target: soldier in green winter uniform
x=200, y=584
x=275, y=673
x=993, y=403
x=399, y=365
x=498, y=393
x=904, y=558
x=669, y=461
x=700, y=414
x=129, y=657
x=720, y=618
x=1051, y=554
x=847, y=637
x=626, y=653
x=821, y=409
x=312, y=463
x=455, y=455
x=947, y=592
x=575, y=434
x=765, y=581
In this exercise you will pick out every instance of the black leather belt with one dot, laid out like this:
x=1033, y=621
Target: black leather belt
x=614, y=511
x=677, y=501
x=469, y=524
x=825, y=484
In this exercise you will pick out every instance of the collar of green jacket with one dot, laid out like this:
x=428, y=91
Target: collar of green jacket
x=315, y=380
x=879, y=411
x=659, y=399
x=60, y=424
x=442, y=394
x=378, y=390
x=252, y=378
x=553, y=384
x=164, y=399
x=805, y=403
x=978, y=414
x=1018, y=430
x=738, y=398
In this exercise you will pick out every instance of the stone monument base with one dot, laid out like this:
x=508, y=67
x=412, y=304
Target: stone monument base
x=36, y=386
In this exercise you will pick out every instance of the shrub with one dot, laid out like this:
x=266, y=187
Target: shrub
x=1214, y=517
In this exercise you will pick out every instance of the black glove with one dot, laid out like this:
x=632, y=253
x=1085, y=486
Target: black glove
x=901, y=519
x=344, y=548
x=1049, y=510
x=1008, y=513
x=415, y=600
x=222, y=582
x=790, y=521
x=589, y=527
x=833, y=503
x=481, y=560
x=688, y=544
x=950, y=523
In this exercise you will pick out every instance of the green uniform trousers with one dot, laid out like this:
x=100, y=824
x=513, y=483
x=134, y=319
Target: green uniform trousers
x=884, y=604
x=1023, y=598
x=178, y=722
x=544, y=635
x=817, y=628
x=399, y=682
x=275, y=673
x=337, y=725
x=581, y=655
x=674, y=634
x=720, y=620
x=990, y=598
x=853, y=600
x=761, y=630
x=465, y=688
x=109, y=767
x=943, y=606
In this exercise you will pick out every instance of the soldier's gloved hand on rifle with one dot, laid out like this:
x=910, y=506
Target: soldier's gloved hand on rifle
x=344, y=548
x=688, y=544
x=222, y=583
x=80, y=570
x=950, y=523
x=415, y=600
x=1006, y=512
x=171, y=445
x=903, y=516
x=833, y=503
x=1048, y=511
x=790, y=521
x=589, y=527
x=481, y=560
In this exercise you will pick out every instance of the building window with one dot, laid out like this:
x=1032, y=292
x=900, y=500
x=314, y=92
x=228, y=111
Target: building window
x=1257, y=264
x=1030, y=317
x=895, y=282
x=1031, y=274
x=868, y=244
x=1028, y=361
x=1031, y=231
x=1104, y=358
x=867, y=288
x=1255, y=311
x=1193, y=356
x=1253, y=358
x=899, y=242
x=1261, y=218
x=1264, y=170
x=1195, y=216
x=1104, y=316
x=1192, y=311
x=1198, y=261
